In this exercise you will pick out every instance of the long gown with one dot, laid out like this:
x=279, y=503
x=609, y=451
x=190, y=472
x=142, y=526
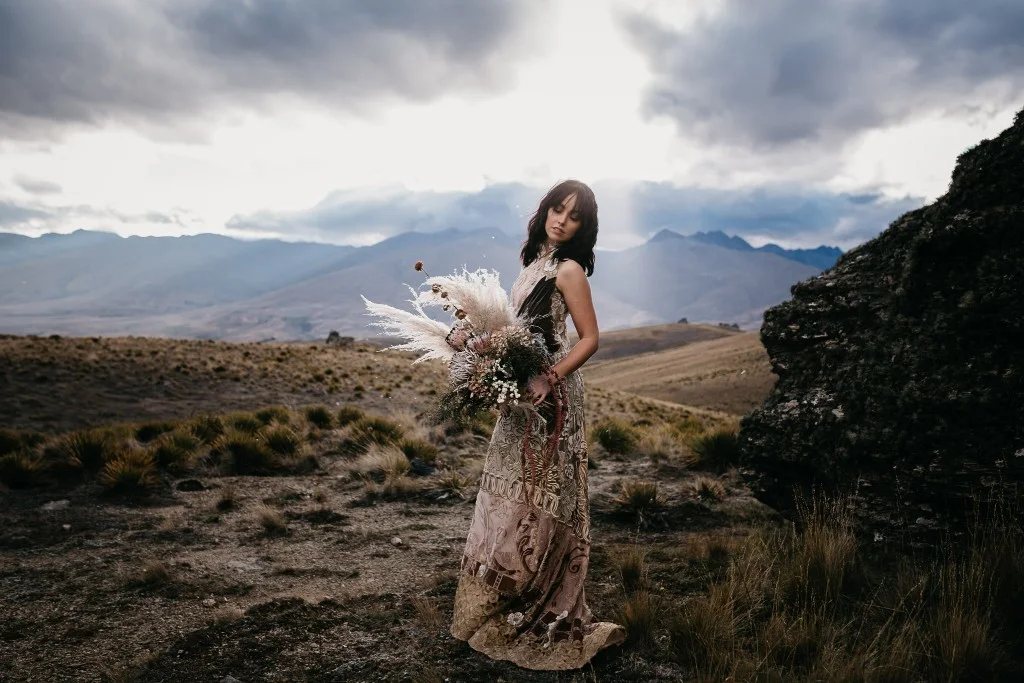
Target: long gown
x=520, y=596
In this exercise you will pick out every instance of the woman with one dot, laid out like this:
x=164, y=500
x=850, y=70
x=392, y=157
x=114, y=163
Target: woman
x=520, y=596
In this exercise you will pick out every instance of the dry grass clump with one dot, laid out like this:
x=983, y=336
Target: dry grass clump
x=88, y=449
x=132, y=472
x=428, y=613
x=382, y=462
x=20, y=470
x=154, y=573
x=246, y=423
x=716, y=450
x=707, y=489
x=639, y=614
x=346, y=415
x=13, y=440
x=800, y=606
x=319, y=416
x=367, y=431
x=282, y=440
x=631, y=565
x=176, y=451
x=616, y=436
x=419, y=449
x=228, y=614
x=659, y=443
x=452, y=483
x=149, y=431
x=206, y=428
x=271, y=520
x=638, y=499
x=243, y=453
x=274, y=414
x=228, y=499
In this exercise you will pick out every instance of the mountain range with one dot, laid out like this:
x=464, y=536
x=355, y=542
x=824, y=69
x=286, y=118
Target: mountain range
x=213, y=286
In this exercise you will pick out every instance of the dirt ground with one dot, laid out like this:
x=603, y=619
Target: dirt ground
x=352, y=588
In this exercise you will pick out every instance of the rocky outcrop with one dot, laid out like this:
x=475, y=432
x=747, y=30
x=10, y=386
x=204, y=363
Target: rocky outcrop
x=901, y=369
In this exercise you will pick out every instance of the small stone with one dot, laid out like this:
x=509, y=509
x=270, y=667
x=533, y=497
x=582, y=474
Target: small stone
x=56, y=504
x=397, y=542
x=210, y=602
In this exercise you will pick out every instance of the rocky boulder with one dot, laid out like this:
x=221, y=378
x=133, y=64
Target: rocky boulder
x=901, y=369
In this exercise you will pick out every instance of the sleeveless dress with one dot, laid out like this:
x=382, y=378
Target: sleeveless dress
x=520, y=596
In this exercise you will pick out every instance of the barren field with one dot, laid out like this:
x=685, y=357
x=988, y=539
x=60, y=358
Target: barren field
x=206, y=511
x=730, y=373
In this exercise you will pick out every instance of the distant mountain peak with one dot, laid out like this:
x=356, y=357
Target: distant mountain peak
x=664, y=235
x=719, y=238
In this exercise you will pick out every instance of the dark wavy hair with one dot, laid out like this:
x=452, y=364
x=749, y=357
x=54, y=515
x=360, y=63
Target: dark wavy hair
x=581, y=247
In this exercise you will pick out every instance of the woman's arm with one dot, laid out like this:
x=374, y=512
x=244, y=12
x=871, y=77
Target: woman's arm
x=572, y=283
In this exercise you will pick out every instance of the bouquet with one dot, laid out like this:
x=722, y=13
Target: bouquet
x=492, y=353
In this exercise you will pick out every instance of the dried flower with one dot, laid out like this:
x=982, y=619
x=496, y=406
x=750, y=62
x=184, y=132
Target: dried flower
x=444, y=295
x=435, y=288
x=418, y=266
x=460, y=314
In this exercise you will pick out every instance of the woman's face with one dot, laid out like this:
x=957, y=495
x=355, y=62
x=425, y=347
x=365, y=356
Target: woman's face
x=563, y=221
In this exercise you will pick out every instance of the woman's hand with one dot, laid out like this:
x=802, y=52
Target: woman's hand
x=537, y=390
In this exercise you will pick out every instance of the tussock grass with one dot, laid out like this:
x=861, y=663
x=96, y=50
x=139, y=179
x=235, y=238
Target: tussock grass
x=246, y=423
x=274, y=414
x=716, y=450
x=176, y=451
x=639, y=614
x=428, y=613
x=206, y=428
x=452, y=482
x=638, y=499
x=20, y=470
x=382, y=462
x=14, y=440
x=132, y=472
x=419, y=449
x=282, y=440
x=244, y=453
x=800, y=605
x=368, y=431
x=319, y=416
x=616, y=436
x=659, y=443
x=631, y=565
x=346, y=415
x=228, y=499
x=150, y=431
x=88, y=449
x=154, y=573
x=707, y=489
x=271, y=520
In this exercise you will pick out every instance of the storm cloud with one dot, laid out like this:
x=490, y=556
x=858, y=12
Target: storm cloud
x=152, y=63
x=789, y=216
x=778, y=74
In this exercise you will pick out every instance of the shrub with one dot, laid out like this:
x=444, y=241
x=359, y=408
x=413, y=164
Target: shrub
x=132, y=472
x=278, y=414
x=616, y=437
x=319, y=417
x=228, y=499
x=702, y=633
x=175, y=451
x=452, y=482
x=149, y=431
x=13, y=440
x=348, y=414
x=206, y=428
x=419, y=449
x=271, y=520
x=718, y=450
x=282, y=440
x=243, y=453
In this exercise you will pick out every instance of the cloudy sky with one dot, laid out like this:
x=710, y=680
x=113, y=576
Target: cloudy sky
x=790, y=121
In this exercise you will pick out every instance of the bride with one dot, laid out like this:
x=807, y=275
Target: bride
x=521, y=596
